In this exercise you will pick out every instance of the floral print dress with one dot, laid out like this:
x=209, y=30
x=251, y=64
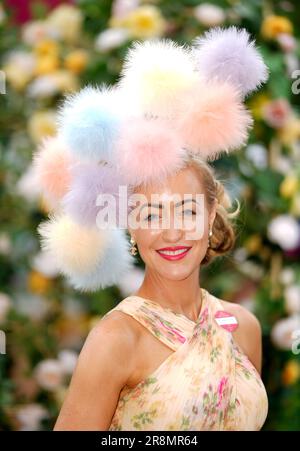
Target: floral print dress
x=207, y=383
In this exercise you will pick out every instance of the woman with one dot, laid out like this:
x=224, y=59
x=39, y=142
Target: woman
x=159, y=360
x=171, y=356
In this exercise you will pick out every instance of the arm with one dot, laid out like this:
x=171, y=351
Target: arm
x=103, y=367
x=248, y=335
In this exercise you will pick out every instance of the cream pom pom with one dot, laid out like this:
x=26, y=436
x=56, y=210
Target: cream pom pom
x=156, y=74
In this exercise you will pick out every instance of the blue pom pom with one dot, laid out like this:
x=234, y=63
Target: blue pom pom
x=89, y=122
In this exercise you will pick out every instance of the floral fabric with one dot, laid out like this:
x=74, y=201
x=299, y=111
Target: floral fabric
x=207, y=383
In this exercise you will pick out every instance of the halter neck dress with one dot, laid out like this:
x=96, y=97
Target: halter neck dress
x=207, y=383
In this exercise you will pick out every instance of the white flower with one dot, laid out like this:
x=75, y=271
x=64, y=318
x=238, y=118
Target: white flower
x=44, y=263
x=5, y=305
x=292, y=299
x=5, y=244
x=282, y=332
x=131, y=281
x=283, y=164
x=257, y=154
x=27, y=185
x=35, y=31
x=240, y=254
x=43, y=86
x=33, y=306
x=65, y=21
x=30, y=416
x=121, y=8
x=285, y=231
x=110, y=39
x=209, y=15
x=49, y=374
x=68, y=360
x=287, y=276
x=287, y=42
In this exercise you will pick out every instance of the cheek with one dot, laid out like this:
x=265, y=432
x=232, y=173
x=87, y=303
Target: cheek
x=146, y=240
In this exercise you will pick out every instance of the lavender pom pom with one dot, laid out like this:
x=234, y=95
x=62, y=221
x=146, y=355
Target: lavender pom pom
x=228, y=54
x=88, y=182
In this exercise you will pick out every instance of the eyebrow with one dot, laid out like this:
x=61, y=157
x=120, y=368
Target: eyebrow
x=160, y=206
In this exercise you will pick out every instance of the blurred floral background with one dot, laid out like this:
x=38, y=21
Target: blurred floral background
x=50, y=48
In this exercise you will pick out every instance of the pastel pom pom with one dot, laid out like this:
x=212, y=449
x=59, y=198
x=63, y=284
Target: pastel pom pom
x=91, y=258
x=148, y=150
x=88, y=182
x=155, y=76
x=52, y=164
x=215, y=120
x=89, y=122
x=229, y=55
x=115, y=264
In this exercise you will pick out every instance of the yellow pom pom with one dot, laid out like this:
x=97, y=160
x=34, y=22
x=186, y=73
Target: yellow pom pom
x=76, y=249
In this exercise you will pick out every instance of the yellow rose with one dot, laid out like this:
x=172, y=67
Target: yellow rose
x=76, y=61
x=46, y=47
x=253, y=244
x=290, y=132
x=46, y=64
x=273, y=25
x=19, y=69
x=41, y=124
x=289, y=186
x=38, y=283
x=65, y=81
x=65, y=21
x=257, y=104
x=291, y=372
x=143, y=22
x=295, y=207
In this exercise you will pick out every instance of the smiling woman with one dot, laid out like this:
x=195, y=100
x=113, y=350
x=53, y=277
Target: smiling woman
x=171, y=356
x=162, y=356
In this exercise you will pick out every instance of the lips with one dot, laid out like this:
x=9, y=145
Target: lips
x=174, y=252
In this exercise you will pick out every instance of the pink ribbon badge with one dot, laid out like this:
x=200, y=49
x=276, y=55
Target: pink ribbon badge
x=226, y=320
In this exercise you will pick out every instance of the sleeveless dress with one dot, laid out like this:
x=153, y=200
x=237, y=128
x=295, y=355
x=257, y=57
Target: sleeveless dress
x=207, y=383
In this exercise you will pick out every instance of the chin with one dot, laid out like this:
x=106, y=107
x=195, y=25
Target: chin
x=175, y=273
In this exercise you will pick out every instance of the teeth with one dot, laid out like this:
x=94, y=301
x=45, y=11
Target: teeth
x=179, y=251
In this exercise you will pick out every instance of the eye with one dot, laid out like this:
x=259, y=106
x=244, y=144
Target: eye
x=151, y=215
x=189, y=212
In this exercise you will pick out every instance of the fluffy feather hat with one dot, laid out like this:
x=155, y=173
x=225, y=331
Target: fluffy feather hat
x=169, y=98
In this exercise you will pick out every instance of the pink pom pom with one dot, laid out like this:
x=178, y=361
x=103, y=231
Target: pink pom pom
x=214, y=120
x=148, y=150
x=52, y=165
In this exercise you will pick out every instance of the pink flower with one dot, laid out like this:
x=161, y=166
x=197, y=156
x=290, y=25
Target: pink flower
x=277, y=112
x=181, y=338
x=221, y=387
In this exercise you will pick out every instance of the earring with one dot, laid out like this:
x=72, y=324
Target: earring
x=133, y=248
x=209, y=235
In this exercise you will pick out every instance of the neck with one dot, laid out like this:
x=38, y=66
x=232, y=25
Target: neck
x=182, y=296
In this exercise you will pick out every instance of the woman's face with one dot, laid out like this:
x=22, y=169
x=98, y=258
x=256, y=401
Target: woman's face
x=182, y=202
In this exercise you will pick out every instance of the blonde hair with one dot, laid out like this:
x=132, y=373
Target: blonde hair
x=224, y=227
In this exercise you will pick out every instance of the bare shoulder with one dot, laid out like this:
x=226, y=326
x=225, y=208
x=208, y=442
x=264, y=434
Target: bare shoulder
x=117, y=331
x=248, y=335
x=104, y=366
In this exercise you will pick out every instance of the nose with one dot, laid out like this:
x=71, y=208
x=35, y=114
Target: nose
x=173, y=233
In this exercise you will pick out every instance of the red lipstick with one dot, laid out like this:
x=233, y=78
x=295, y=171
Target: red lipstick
x=174, y=252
